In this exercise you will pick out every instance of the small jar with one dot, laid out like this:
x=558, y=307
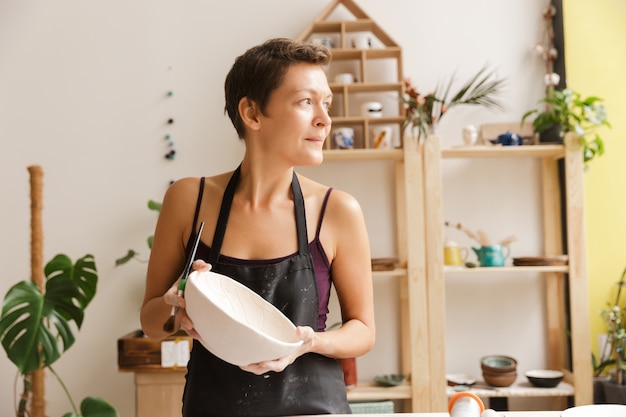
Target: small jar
x=372, y=109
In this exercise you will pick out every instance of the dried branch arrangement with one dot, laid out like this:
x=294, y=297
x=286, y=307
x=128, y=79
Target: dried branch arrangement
x=480, y=236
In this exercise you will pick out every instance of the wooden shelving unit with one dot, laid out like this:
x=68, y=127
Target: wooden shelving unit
x=565, y=286
x=370, y=82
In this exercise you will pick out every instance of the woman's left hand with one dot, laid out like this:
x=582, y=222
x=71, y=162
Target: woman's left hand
x=305, y=333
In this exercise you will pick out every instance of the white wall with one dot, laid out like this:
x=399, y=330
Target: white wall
x=83, y=94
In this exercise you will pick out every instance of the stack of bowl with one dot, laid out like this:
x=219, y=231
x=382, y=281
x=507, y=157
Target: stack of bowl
x=499, y=370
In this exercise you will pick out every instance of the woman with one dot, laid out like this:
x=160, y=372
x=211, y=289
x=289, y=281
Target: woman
x=278, y=98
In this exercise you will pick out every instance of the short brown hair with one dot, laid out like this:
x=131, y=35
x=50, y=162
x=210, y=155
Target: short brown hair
x=260, y=70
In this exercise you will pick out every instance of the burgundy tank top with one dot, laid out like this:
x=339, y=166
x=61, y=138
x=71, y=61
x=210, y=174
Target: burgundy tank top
x=321, y=265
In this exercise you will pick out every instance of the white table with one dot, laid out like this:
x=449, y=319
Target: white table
x=500, y=414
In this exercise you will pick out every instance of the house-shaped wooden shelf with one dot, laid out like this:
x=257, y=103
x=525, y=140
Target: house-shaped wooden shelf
x=361, y=48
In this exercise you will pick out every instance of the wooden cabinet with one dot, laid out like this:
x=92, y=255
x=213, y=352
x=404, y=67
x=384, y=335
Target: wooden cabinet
x=159, y=393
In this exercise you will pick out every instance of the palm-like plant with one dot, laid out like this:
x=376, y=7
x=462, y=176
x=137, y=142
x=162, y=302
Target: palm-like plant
x=36, y=326
x=424, y=112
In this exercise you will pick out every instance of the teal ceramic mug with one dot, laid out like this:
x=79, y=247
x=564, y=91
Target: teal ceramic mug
x=492, y=255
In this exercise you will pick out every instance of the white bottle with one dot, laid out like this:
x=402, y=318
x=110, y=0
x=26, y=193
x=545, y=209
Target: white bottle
x=467, y=404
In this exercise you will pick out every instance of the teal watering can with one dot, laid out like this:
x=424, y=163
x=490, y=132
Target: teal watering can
x=492, y=255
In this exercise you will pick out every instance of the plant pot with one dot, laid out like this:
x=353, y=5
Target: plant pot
x=613, y=393
x=551, y=135
x=598, y=389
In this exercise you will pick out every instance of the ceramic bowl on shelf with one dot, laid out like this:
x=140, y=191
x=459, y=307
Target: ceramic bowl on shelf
x=500, y=379
x=235, y=323
x=544, y=378
x=498, y=364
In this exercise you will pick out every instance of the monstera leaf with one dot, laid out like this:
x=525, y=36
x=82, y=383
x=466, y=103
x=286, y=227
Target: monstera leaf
x=35, y=328
x=94, y=407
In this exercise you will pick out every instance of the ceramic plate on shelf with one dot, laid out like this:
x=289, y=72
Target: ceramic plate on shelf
x=389, y=380
x=460, y=379
x=541, y=261
x=596, y=410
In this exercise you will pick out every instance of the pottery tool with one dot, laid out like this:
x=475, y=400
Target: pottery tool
x=168, y=326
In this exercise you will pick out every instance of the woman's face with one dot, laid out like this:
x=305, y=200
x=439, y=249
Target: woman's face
x=296, y=121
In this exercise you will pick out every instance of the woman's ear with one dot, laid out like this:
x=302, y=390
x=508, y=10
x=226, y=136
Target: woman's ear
x=249, y=112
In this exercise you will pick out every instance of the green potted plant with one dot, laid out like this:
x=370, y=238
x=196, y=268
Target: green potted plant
x=610, y=367
x=36, y=326
x=567, y=113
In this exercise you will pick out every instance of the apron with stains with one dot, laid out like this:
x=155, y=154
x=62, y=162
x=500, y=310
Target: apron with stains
x=313, y=384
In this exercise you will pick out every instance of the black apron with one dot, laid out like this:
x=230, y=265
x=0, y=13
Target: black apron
x=313, y=384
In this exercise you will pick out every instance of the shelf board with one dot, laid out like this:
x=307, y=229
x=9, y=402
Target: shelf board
x=333, y=155
x=370, y=120
x=501, y=269
x=366, y=391
x=521, y=388
x=360, y=87
x=526, y=151
x=397, y=272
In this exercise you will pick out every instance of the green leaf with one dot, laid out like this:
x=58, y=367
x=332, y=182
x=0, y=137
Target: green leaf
x=35, y=328
x=154, y=205
x=83, y=274
x=124, y=259
x=97, y=407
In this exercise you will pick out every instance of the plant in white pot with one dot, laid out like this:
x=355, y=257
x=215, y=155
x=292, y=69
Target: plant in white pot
x=572, y=119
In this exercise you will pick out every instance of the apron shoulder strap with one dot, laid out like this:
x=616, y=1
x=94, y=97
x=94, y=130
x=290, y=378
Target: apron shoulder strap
x=227, y=199
x=198, y=203
x=298, y=203
x=222, y=220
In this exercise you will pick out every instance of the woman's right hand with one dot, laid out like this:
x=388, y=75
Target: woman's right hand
x=172, y=298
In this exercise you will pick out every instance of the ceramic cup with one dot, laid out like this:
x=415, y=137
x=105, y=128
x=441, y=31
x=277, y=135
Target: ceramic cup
x=344, y=78
x=323, y=40
x=362, y=42
x=453, y=254
x=381, y=137
x=372, y=109
x=343, y=137
x=470, y=135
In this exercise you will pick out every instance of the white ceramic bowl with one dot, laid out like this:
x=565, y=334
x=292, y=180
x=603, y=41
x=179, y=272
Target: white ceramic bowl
x=597, y=410
x=236, y=324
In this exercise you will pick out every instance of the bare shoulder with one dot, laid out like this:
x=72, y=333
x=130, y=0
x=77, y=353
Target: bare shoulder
x=341, y=204
x=186, y=189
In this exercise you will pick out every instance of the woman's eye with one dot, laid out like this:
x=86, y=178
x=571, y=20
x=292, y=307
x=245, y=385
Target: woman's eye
x=307, y=101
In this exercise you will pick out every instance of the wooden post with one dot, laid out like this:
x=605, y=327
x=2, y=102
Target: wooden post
x=38, y=402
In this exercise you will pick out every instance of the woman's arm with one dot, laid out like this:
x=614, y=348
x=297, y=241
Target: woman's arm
x=167, y=257
x=351, y=265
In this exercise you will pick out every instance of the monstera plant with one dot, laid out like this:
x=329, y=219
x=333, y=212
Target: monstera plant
x=36, y=327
